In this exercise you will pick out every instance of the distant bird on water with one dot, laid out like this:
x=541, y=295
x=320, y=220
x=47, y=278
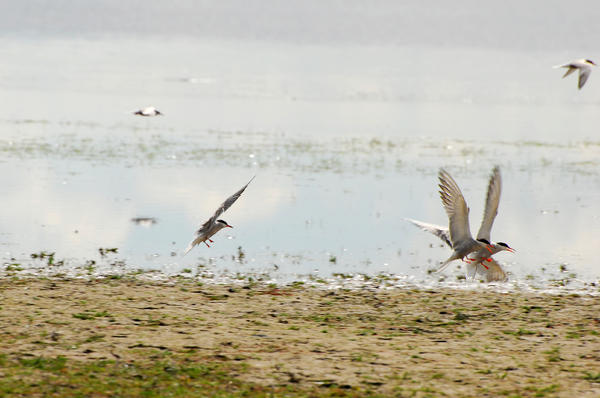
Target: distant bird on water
x=214, y=225
x=148, y=111
x=584, y=66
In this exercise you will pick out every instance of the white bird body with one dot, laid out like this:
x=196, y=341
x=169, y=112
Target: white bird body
x=584, y=66
x=213, y=224
x=148, y=111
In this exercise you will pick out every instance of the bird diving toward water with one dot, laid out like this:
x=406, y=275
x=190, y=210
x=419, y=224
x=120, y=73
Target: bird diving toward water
x=479, y=260
x=214, y=224
x=148, y=111
x=584, y=66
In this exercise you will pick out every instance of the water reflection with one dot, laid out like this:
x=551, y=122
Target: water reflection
x=293, y=219
x=345, y=141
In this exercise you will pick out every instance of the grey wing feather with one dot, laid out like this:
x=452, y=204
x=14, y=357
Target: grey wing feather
x=205, y=228
x=583, y=76
x=456, y=208
x=437, y=230
x=570, y=69
x=491, y=204
x=224, y=206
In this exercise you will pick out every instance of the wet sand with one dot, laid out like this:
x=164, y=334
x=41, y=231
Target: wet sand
x=360, y=342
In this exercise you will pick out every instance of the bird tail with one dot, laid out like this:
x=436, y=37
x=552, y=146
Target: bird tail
x=191, y=246
x=445, y=264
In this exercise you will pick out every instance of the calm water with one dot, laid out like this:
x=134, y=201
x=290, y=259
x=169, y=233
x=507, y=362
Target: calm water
x=344, y=124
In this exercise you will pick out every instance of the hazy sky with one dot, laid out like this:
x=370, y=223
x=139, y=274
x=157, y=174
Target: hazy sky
x=531, y=25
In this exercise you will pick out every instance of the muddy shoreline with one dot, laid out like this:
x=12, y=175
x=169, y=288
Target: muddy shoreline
x=367, y=341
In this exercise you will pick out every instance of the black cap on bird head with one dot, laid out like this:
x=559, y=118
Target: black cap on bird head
x=224, y=223
x=487, y=242
x=589, y=61
x=506, y=246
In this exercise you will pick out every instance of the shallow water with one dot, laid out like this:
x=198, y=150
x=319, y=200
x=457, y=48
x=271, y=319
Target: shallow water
x=345, y=140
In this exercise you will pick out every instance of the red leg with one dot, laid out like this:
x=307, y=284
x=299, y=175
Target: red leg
x=206, y=244
x=211, y=241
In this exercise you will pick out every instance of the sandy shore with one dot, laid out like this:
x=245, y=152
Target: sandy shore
x=358, y=342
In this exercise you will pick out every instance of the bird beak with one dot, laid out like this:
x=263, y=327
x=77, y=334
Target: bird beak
x=489, y=247
x=228, y=226
x=510, y=249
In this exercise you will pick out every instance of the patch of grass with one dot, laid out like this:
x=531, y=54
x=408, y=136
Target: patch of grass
x=460, y=316
x=86, y=315
x=519, y=332
x=93, y=338
x=49, y=364
x=593, y=377
x=105, y=250
x=542, y=391
x=553, y=354
x=14, y=267
x=182, y=376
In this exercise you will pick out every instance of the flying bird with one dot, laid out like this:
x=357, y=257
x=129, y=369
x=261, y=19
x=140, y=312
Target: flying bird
x=458, y=220
x=584, y=66
x=148, y=111
x=214, y=224
x=480, y=260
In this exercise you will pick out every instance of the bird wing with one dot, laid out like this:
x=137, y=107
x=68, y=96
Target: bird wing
x=437, y=230
x=570, y=69
x=495, y=272
x=491, y=204
x=584, y=73
x=456, y=208
x=205, y=228
x=224, y=206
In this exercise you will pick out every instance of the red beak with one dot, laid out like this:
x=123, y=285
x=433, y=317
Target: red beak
x=489, y=249
x=510, y=249
x=228, y=226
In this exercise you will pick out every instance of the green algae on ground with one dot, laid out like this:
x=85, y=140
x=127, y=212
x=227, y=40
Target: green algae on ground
x=130, y=337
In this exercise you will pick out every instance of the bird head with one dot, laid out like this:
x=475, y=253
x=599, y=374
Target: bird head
x=503, y=246
x=223, y=224
x=589, y=61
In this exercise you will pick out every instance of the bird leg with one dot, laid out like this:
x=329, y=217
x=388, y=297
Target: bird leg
x=211, y=241
x=207, y=244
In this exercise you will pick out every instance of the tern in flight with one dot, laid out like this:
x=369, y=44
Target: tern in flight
x=214, y=224
x=481, y=257
x=584, y=66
